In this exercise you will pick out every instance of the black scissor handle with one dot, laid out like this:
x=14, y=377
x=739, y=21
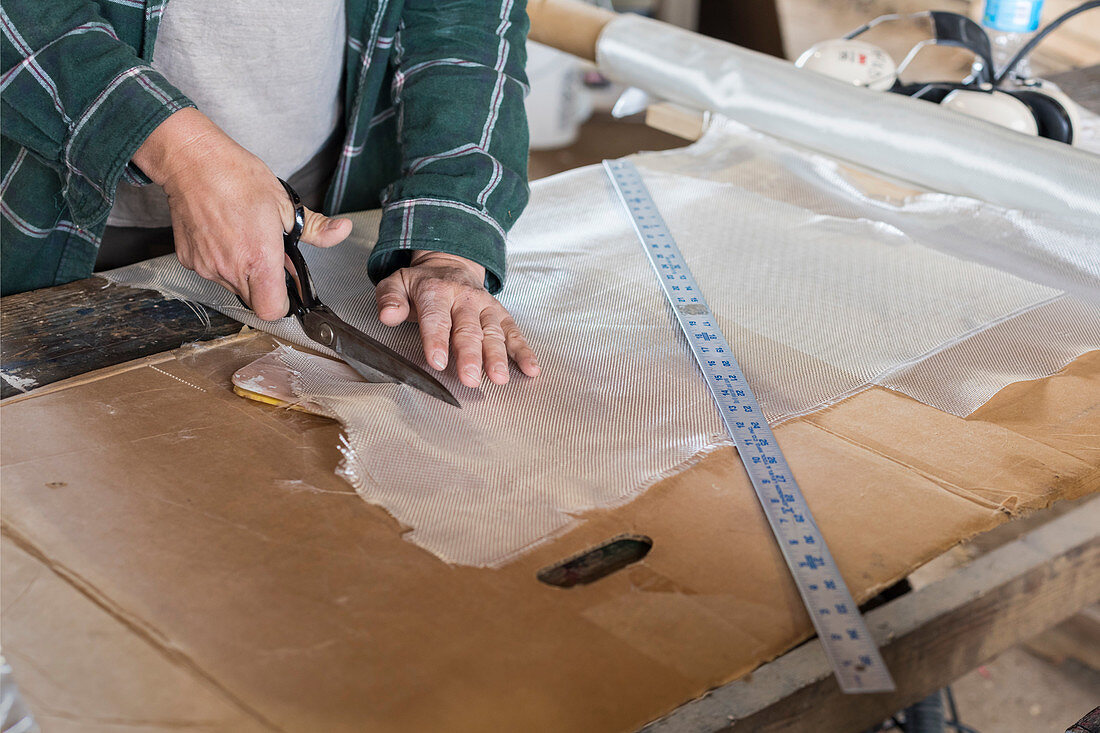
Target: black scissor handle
x=295, y=232
x=299, y=284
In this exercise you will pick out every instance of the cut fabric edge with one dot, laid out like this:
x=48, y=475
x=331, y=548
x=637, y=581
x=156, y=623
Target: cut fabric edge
x=938, y=378
x=352, y=470
x=962, y=377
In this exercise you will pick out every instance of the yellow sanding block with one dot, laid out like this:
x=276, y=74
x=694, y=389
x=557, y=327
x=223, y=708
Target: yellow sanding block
x=270, y=381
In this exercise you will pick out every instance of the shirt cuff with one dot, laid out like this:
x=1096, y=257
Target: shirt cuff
x=441, y=226
x=108, y=133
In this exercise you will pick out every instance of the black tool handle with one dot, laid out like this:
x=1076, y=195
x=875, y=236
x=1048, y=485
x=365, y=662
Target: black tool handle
x=299, y=284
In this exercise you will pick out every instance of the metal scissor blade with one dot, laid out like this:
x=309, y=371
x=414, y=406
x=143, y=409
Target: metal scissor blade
x=374, y=360
x=414, y=376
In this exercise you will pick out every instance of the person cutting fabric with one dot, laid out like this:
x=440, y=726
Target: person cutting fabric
x=146, y=126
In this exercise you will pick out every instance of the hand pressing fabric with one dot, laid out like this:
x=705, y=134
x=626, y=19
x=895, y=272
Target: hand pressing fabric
x=446, y=294
x=228, y=210
x=228, y=214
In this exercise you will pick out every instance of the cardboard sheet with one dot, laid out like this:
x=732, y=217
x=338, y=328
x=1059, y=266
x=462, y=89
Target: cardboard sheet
x=176, y=555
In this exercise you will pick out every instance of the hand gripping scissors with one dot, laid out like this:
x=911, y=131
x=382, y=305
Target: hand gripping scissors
x=373, y=360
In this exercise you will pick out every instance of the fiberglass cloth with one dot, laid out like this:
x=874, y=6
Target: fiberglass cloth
x=820, y=290
x=907, y=138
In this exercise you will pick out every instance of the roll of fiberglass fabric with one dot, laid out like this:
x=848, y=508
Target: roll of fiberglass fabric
x=905, y=138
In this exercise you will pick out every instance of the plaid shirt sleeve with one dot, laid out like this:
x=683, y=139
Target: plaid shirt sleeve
x=77, y=99
x=458, y=90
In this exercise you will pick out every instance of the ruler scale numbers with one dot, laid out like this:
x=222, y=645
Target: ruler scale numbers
x=851, y=650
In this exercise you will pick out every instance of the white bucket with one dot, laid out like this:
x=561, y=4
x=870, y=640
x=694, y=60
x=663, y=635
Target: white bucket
x=558, y=102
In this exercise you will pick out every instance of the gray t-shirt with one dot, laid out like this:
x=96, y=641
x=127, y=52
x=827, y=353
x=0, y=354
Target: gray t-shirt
x=265, y=71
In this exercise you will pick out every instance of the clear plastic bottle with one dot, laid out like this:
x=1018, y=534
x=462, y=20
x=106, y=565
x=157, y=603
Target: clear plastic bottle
x=1009, y=24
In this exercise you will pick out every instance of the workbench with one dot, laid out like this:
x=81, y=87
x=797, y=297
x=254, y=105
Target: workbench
x=928, y=637
x=936, y=633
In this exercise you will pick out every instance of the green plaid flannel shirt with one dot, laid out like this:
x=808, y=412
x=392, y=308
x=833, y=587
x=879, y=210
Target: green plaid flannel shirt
x=433, y=107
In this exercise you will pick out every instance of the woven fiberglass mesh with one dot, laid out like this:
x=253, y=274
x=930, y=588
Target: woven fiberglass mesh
x=820, y=290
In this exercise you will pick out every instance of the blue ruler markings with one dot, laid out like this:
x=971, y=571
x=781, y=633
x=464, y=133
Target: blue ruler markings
x=850, y=648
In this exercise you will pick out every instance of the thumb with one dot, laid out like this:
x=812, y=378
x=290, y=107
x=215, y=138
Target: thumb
x=322, y=231
x=393, y=300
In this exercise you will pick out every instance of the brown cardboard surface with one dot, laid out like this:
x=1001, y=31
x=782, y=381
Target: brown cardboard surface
x=94, y=665
x=200, y=548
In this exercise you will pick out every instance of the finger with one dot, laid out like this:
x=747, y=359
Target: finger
x=231, y=288
x=493, y=346
x=392, y=299
x=467, y=337
x=434, y=310
x=184, y=256
x=215, y=278
x=184, y=251
x=323, y=231
x=518, y=348
x=266, y=288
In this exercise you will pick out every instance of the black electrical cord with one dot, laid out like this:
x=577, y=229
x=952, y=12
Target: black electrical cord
x=951, y=706
x=953, y=711
x=1035, y=40
x=950, y=718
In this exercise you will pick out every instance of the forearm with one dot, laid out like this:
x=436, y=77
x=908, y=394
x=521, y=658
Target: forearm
x=464, y=168
x=78, y=96
x=182, y=141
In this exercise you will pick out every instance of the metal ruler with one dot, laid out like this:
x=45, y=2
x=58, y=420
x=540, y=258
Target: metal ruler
x=851, y=650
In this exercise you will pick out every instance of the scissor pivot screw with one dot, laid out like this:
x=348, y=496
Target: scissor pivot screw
x=326, y=334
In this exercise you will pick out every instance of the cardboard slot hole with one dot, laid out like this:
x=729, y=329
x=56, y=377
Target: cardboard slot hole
x=598, y=562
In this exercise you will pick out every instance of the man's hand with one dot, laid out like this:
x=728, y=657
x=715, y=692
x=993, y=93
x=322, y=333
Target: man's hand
x=447, y=295
x=229, y=211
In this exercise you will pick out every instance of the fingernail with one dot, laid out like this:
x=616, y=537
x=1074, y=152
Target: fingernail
x=439, y=359
x=500, y=371
x=473, y=373
x=333, y=223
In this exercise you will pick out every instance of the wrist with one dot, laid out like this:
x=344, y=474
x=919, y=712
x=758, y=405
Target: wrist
x=175, y=145
x=427, y=256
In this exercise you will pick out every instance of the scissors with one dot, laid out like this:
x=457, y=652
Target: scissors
x=373, y=360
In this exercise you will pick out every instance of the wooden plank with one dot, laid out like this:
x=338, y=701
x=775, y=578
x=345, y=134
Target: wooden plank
x=1078, y=637
x=54, y=333
x=928, y=638
x=676, y=119
x=600, y=137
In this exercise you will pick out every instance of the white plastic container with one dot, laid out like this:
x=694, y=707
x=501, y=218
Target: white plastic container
x=558, y=102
